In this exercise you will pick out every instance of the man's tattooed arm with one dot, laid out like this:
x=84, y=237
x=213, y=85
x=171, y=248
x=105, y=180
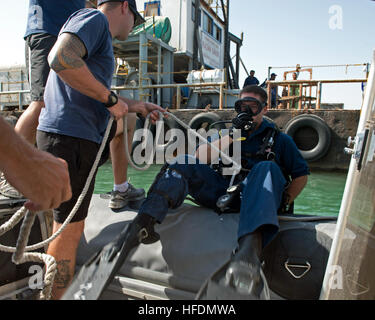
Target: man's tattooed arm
x=66, y=59
x=67, y=53
x=63, y=274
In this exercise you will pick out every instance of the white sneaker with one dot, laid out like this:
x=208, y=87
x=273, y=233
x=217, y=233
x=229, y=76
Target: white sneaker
x=121, y=199
x=7, y=190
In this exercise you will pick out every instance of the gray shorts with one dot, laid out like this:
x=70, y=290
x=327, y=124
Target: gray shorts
x=39, y=45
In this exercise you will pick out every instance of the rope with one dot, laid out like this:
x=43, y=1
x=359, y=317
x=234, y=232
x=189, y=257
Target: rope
x=20, y=257
x=12, y=222
x=237, y=167
x=147, y=126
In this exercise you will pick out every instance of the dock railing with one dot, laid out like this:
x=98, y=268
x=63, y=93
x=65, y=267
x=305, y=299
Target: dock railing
x=301, y=99
x=220, y=85
x=179, y=86
x=285, y=102
x=21, y=98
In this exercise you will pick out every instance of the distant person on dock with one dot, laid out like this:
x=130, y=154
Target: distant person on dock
x=251, y=79
x=45, y=20
x=294, y=91
x=274, y=90
x=271, y=179
x=41, y=177
x=78, y=106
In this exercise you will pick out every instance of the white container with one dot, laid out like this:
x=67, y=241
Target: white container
x=205, y=76
x=181, y=14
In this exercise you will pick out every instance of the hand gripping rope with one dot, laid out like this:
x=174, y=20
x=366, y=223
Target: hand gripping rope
x=19, y=252
x=19, y=255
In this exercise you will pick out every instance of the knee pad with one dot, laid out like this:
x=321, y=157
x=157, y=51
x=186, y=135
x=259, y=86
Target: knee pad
x=172, y=186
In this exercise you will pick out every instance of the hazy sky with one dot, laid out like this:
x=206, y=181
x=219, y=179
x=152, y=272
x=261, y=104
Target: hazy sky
x=276, y=33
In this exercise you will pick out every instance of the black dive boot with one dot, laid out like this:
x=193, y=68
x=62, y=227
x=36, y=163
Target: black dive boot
x=240, y=278
x=96, y=274
x=244, y=271
x=143, y=227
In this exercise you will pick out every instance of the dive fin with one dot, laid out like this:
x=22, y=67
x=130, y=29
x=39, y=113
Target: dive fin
x=97, y=273
x=233, y=282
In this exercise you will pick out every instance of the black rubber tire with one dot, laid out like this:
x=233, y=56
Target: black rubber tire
x=205, y=117
x=197, y=122
x=169, y=124
x=140, y=122
x=138, y=125
x=313, y=123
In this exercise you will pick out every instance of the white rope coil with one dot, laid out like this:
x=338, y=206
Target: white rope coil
x=20, y=257
x=7, y=226
x=237, y=167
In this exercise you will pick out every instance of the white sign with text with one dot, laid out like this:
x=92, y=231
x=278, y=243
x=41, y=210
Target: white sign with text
x=211, y=51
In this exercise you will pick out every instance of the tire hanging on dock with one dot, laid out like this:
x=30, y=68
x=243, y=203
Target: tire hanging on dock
x=137, y=138
x=203, y=121
x=311, y=135
x=168, y=123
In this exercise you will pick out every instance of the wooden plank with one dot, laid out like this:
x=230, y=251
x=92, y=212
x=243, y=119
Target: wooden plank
x=289, y=98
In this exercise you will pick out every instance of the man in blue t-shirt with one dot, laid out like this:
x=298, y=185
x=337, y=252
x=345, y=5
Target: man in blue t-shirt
x=251, y=80
x=78, y=106
x=45, y=19
x=262, y=192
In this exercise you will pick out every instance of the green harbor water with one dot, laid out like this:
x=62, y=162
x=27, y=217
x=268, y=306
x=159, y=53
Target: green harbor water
x=321, y=196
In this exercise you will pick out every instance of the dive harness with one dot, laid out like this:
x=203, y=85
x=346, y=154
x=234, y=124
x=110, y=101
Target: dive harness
x=265, y=153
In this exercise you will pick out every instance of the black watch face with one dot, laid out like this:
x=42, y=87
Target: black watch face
x=113, y=99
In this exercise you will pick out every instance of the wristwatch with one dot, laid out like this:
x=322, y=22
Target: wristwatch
x=112, y=100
